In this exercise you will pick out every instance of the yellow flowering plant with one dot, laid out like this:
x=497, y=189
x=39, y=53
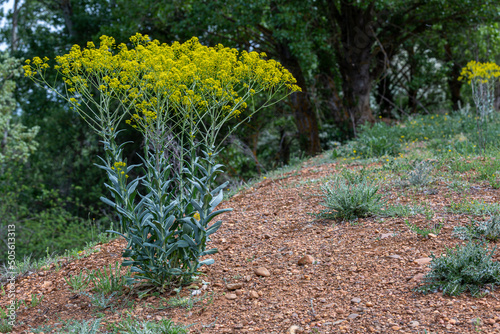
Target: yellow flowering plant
x=180, y=97
x=482, y=78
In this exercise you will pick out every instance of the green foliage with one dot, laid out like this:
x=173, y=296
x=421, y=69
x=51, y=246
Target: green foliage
x=82, y=327
x=165, y=326
x=435, y=229
x=107, y=282
x=348, y=200
x=465, y=268
x=400, y=210
x=488, y=229
x=420, y=175
x=99, y=300
x=187, y=302
x=474, y=207
x=79, y=282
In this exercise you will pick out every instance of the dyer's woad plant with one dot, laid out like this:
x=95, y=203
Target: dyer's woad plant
x=482, y=77
x=180, y=97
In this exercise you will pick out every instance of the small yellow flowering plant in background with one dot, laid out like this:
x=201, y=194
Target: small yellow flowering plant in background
x=180, y=97
x=482, y=78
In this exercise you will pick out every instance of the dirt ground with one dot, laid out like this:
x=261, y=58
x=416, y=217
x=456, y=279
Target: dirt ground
x=356, y=278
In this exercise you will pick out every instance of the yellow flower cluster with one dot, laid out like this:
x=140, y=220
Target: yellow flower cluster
x=152, y=78
x=481, y=72
x=119, y=167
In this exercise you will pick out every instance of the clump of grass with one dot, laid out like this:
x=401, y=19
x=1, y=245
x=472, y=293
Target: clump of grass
x=100, y=300
x=464, y=268
x=108, y=282
x=350, y=198
x=187, y=302
x=434, y=229
x=419, y=175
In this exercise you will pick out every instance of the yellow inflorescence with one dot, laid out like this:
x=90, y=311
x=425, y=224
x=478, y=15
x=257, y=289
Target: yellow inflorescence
x=183, y=76
x=481, y=72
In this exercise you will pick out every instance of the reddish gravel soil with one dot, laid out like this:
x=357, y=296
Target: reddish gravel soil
x=357, y=278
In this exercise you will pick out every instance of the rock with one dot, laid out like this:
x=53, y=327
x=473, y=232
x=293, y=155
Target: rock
x=418, y=277
x=238, y=326
x=261, y=271
x=395, y=328
x=46, y=284
x=394, y=256
x=306, y=259
x=452, y=321
x=432, y=235
x=352, y=316
x=267, y=236
x=337, y=322
x=369, y=304
x=234, y=286
x=356, y=300
x=386, y=235
x=413, y=324
x=294, y=329
x=253, y=294
x=231, y=296
x=196, y=292
x=423, y=261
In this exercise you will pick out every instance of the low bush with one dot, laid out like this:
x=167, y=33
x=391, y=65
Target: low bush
x=350, y=198
x=465, y=268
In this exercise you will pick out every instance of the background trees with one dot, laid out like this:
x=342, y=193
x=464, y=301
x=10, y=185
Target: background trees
x=356, y=61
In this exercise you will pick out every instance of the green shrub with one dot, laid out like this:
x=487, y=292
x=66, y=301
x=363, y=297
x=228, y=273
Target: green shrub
x=488, y=229
x=420, y=175
x=467, y=267
x=347, y=200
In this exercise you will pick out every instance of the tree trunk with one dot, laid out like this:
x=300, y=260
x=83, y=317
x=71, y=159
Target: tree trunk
x=454, y=84
x=303, y=111
x=67, y=12
x=15, y=22
x=355, y=58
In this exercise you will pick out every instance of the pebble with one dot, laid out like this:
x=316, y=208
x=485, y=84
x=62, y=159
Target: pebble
x=423, y=261
x=234, y=286
x=306, y=259
x=413, y=324
x=253, y=294
x=418, y=277
x=352, y=316
x=395, y=328
x=294, y=329
x=394, y=256
x=386, y=235
x=262, y=272
x=369, y=304
x=231, y=296
x=432, y=235
x=355, y=300
x=452, y=321
x=196, y=292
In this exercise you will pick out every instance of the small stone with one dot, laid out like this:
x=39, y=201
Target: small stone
x=413, y=324
x=452, y=321
x=294, y=329
x=490, y=321
x=432, y=235
x=46, y=284
x=262, y=272
x=395, y=328
x=267, y=236
x=352, y=316
x=238, y=326
x=306, y=259
x=423, y=261
x=196, y=292
x=386, y=235
x=231, y=296
x=418, y=277
x=395, y=256
x=369, y=304
x=234, y=286
x=253, y=294
x=337, y=322
x=356, y=300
